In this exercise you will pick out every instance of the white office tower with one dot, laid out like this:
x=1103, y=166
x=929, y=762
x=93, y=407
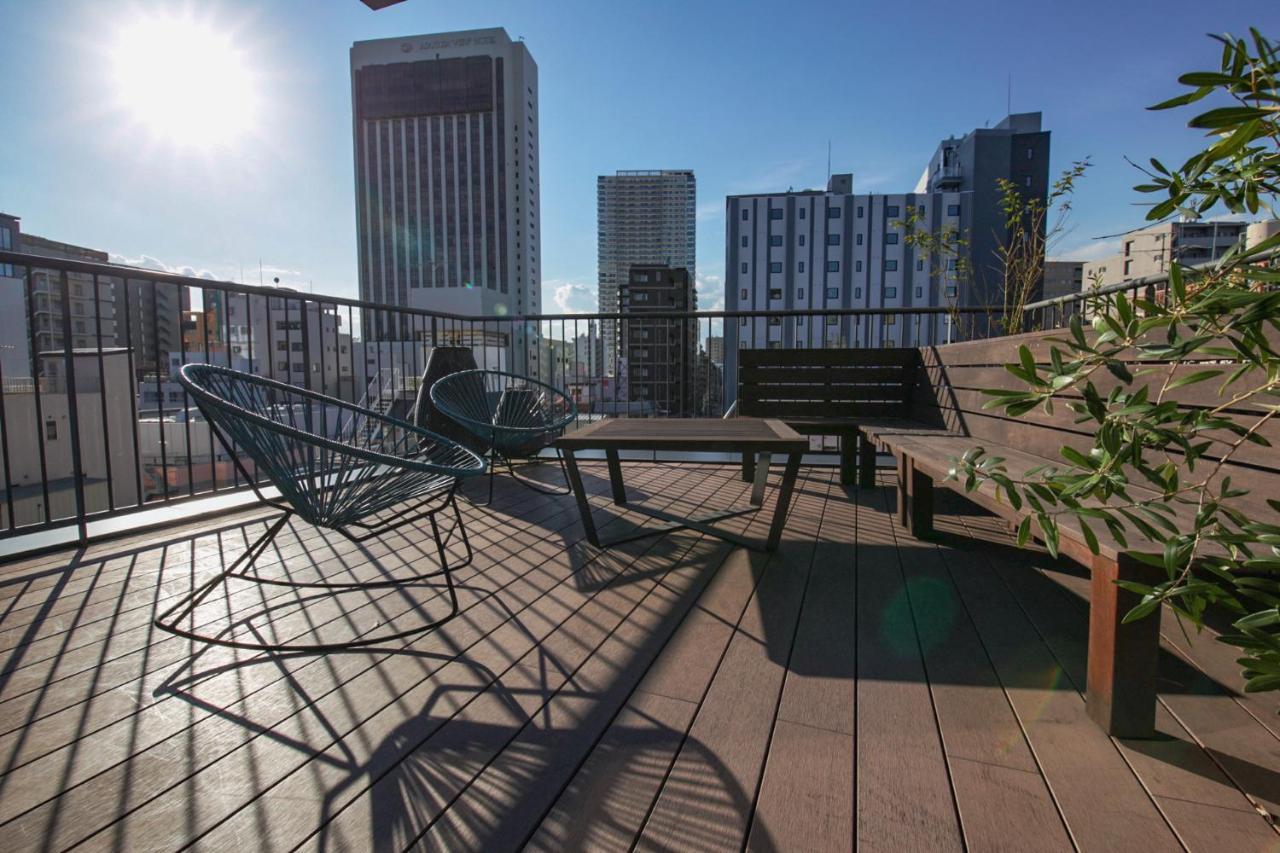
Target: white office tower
x=644, y=218
x=446, y=177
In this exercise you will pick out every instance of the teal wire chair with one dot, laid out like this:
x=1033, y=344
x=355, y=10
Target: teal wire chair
x=513, y=416
x=335, y=465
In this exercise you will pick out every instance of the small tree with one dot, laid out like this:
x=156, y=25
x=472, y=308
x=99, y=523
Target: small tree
x=1218, y=324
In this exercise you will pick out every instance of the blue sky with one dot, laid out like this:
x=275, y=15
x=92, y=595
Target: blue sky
x=745, y=93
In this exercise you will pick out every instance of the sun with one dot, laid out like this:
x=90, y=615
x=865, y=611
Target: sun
x=184, y=80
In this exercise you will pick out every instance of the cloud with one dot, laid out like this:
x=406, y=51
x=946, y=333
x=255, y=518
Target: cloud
x=148, y=262
x=710, y=289
x=572, y=297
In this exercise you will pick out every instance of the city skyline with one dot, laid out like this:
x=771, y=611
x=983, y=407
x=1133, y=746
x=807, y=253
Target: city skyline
x=222, y=209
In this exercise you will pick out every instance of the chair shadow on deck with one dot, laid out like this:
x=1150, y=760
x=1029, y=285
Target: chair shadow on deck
x=413, y=773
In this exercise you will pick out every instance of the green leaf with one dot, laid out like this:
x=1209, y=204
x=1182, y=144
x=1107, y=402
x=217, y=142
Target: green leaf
x=1193, y=378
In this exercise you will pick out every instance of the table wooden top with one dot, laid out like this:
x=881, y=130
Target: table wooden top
x=691, y=434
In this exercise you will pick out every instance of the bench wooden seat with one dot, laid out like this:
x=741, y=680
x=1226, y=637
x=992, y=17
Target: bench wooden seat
x=826, y=392
x=945, y=419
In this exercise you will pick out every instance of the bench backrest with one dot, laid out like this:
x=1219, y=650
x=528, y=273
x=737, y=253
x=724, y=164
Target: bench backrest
x=826, y=383
x=949, y=392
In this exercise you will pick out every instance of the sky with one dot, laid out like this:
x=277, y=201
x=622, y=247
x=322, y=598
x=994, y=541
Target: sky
x=748, y=94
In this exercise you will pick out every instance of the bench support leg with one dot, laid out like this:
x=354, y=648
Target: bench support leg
x=748, y=467
x=866, y=462
x=903, y=499
x=919, y=502
x=1123, y=659
x=848, y=456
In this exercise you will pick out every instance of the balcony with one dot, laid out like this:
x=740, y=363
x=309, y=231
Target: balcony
x=858, y=683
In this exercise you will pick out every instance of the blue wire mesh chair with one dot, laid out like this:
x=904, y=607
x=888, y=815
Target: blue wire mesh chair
x=515, y=417
x=336, y=465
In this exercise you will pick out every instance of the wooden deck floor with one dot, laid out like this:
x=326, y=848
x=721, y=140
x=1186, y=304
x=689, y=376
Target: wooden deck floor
x=853, y=688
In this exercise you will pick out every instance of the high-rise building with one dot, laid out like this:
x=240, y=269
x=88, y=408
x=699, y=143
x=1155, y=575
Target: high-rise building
x=1015, y=150
x=814, y=250
x=92, y=316
x=15, y=345
x=446, y=175
x=645, y=217
x=715, y=349
x=1150, y=251
x=658, y=351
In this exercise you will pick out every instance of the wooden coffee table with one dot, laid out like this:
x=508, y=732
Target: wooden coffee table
x=759, y=437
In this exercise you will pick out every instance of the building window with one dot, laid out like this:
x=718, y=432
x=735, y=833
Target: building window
x=891, y=265
x=1030, y=154
x=920, y=209
x=745, y=213
x=857, y=293
x=775, y=321
x=744, y=242
x=833, y=293
x=775, y=240
x=891, y=319
x=775, y=266
x=919, y=292
x=833, y=239
x=953, y=210
x=1127, y=266
x=833, y=266
x=50, y=429
x=742, y=322
x=891, y=238
x=1027, y=181
x=831, y=321
x=802, y=210
x=951, y=264
x=801, y=239
x=282, y=346
x=892, y=210
x=775, y=293
x=800, y=293
x=801, y=266
x=743, y=293
x=859, y=211
x=833, y=213
x=775, y=213
x=744, y=267
x=891, y=293
x=857, y=238
x=919, y=266
x=857, y=266
x=951, y=291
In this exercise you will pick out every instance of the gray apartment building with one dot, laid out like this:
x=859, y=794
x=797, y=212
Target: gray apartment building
x=1017, y=150
x=445, y=131
x=658, y=352
x=644, y=217
x=1151, y=250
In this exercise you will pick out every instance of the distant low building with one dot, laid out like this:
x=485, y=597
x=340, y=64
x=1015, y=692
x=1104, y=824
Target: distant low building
x=1063, y=278
x=1151, y=251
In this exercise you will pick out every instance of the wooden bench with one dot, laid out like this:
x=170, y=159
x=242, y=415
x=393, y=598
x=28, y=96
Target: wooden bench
x=827, y=392
x=947, y=419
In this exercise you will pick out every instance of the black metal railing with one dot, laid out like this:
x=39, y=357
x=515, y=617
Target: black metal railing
x=94, y=425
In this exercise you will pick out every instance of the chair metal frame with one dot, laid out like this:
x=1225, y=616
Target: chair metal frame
x=342, y=499
x=501, y=437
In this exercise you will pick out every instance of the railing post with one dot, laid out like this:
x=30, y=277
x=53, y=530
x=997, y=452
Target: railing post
x=73, y=412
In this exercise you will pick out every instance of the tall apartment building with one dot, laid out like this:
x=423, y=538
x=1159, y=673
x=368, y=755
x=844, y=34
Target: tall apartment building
x=1016, y=150
x=814, y=249
x=92, y=317
x=715, y=349
x=15, y=347
x=446, y=179
x=657, y=352
x=1150, y=251
x=644, y=217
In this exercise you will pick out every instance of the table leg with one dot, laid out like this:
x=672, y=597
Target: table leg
x=784, y=500
x=580, y=496
x=748, y=466
x=615, y=477
x=761, y=477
